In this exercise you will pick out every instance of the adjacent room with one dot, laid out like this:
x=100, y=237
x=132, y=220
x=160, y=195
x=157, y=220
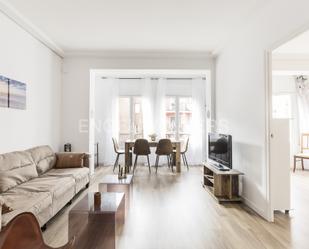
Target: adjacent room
x=290, y=122
x=154, y=124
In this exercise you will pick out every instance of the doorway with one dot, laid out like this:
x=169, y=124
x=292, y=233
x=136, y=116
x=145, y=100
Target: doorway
x=289, y=126
x=125, y=117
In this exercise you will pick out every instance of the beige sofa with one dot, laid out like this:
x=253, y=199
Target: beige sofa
x=29, y=182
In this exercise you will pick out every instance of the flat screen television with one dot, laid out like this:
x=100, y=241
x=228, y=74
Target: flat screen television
x=220, y=149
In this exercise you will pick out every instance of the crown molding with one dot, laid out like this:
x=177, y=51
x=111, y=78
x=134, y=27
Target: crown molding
x=290, y=56
x=8, y=10
x=139, y=54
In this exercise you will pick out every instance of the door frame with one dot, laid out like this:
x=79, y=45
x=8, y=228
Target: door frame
x=268, y=111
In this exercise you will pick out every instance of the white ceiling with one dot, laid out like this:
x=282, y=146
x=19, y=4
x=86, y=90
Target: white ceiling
x=142, y=25
x=298, y=45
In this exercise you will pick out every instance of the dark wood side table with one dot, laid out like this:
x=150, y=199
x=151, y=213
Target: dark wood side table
x=111, y=183
x=97, y=227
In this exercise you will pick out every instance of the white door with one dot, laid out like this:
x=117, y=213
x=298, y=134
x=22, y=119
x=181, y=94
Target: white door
x=280, y=187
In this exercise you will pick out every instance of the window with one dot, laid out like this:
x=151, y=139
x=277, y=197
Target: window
x=130, y=118
x=178, y=117
x=282, y=106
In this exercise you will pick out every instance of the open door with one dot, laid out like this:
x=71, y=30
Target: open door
x=280, y=185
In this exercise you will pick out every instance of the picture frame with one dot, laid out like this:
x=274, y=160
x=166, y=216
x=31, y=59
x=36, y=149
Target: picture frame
x=17, y=95
x=13, y=93
x=4, y=91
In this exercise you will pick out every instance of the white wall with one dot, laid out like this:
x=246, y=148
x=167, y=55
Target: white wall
x=282, y=84
x=76, y=84
x=241, y=91
x=290, y=62
x=25, y=59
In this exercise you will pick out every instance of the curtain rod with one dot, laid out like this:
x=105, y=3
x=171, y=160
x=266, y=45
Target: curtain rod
x=154, y=78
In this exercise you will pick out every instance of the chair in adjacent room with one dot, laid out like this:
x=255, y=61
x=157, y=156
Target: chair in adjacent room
x=304, y=151
x=24, y=232
x=164, y=148
x=184, y=151
x=117, y=151
x=141, y=148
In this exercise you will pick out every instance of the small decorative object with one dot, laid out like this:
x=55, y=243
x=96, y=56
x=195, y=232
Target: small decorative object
x=153, y=137
x=122, y=174
x=67, y=147
x=12, y=93
x=127, y=169
x=97, y=199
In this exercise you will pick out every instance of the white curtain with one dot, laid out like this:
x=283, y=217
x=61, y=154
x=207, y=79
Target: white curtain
x=107, y=125
x=302, y=85
x=196, y=145
x=160, y=126
x=153, y=94
x=148, y=95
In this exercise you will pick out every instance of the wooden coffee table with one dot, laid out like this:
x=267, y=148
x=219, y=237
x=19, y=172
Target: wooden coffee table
x=97, y=227
x=111, y=183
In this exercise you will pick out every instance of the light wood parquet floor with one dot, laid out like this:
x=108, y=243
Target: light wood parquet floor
x=173, y=211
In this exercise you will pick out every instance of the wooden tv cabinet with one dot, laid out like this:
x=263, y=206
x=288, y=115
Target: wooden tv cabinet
x=222, y=185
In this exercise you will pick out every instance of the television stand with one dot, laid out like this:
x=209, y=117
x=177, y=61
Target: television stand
x=220, y=167
x=222, y=185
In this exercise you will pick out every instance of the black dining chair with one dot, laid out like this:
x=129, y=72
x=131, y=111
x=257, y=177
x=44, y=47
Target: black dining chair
x=164, y=148
x=141, y=148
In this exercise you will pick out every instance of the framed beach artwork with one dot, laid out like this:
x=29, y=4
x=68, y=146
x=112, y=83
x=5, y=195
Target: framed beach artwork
x=12, y=93
x=4, y=91
x=17, y=95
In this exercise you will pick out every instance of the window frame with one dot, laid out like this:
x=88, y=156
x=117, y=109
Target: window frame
x=177, y=108
x=290, y=96
x=131, y=123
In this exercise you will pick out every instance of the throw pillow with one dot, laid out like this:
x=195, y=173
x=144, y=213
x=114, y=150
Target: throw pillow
x=70, y=160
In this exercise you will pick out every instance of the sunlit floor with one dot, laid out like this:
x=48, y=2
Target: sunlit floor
x=173, y=211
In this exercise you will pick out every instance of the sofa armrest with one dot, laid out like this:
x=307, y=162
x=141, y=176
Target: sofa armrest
x=1, y=204
x=86, y=158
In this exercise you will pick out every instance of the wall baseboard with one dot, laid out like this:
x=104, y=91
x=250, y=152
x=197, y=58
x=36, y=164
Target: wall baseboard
x=259, y=211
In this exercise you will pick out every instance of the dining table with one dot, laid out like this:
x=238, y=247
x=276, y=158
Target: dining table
x=129, y=145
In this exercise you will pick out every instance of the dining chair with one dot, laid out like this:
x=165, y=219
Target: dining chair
x=141, y=148
x=23, y=232
x=184, y=151
x=117, y=151
x=164, y=148
x=304, y=148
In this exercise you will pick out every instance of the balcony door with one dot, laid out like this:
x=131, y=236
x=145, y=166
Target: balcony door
x=130, y=118
x=178, y=114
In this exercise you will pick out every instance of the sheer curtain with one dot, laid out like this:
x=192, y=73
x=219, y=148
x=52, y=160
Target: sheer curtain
x=196, y=145
x=159, y=120
x=302, y=86
x=148, y=95
x=107, y=125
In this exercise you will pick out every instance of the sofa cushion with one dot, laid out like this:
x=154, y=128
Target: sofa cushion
x=70, y=160
x=44, y=158
x=80, y=175
x=62, y=189
x=52, y=184
x=16, y=168
x=40, y=204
